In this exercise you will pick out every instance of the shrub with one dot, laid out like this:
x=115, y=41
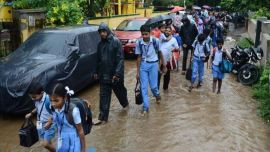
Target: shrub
x=260, y=92
x=64, y=12
x=245, y=43
x=262, y=12
x=59, y=12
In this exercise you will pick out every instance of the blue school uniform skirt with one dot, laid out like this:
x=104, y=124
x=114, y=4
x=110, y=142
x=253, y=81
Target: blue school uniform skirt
x=217, y=73
x=70, y=140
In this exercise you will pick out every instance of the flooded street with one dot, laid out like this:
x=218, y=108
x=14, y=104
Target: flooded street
x=199, y=121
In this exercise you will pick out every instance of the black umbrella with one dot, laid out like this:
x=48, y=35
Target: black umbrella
x=156, y=19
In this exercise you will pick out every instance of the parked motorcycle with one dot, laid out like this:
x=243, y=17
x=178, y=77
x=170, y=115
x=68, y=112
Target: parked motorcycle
x=244, y=61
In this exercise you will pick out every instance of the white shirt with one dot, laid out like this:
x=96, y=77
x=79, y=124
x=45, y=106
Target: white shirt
x=166, y=47
x=217, y=57
x=199, y=48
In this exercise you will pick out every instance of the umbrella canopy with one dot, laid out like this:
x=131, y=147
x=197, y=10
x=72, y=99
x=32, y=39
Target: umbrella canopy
x=157, y=19
x=206, y=7
x=196, y=7
x=177, y=8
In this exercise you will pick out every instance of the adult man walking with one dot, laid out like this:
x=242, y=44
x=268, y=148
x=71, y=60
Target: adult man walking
x=147, y=49
x=110, y=71
x=188, y=33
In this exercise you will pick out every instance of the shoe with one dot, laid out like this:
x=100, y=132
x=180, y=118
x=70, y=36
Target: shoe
x=183, y=72
x=218, y=92
x=190, y=89
x=97, y=122
x=199, y=85
x=126, y=107
x=158, y=98
x=144, y=112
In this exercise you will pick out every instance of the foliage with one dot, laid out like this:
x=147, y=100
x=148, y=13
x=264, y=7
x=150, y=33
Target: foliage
x=29, y=4
x=261, y=93
x=262, y=12
x=59, y=12
x=244, y=5
x=245, y=43
x=64, y=12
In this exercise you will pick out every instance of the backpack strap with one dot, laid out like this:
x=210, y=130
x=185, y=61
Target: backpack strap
x=48, y=104
x=69, y=115
x=154, y=44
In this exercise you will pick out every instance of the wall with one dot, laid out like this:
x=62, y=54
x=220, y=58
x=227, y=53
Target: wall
x=252, y=29
x=115, y=21
x=265, y=36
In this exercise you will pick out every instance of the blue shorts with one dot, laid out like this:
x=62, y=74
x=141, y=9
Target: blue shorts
x=47, y=135
x=217, y=74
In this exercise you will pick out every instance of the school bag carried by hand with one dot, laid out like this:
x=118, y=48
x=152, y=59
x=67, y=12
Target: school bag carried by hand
x=225, y=66
x=28, y=133
x=85, y=113
x=138, y=93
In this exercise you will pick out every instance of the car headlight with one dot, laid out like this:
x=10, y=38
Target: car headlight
x=132, y=41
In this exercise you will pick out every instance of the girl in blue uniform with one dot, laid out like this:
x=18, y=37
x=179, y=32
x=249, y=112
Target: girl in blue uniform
x=70, y=137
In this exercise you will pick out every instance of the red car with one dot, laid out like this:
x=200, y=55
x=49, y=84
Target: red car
x=128, y=32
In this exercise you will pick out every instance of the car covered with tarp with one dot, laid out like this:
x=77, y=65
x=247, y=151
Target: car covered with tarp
x=65, y=54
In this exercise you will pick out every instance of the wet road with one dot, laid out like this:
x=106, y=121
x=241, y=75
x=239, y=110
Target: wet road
x=184, y=122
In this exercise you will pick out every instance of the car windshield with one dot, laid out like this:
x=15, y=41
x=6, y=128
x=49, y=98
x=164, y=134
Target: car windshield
x=47, y=43
x=130, y=25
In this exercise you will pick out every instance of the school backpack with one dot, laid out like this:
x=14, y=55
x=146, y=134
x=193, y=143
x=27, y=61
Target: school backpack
x=206, y=52
x=85, y=113
x=154, y=43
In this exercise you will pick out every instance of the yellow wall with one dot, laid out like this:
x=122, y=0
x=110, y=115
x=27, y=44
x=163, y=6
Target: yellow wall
x=5, y=13
x=115, y=21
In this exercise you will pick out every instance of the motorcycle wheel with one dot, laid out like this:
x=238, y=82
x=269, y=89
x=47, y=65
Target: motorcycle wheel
x=248, y=74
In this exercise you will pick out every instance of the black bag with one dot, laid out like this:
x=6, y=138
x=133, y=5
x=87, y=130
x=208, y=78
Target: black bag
x=85, y=113
x=138, y=93
x=28, y=134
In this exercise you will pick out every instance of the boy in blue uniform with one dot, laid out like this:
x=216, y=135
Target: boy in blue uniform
x=218, y=54
x=147, y=49
x=45, y=126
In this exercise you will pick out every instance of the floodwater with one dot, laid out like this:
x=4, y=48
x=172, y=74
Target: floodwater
x=200, y=121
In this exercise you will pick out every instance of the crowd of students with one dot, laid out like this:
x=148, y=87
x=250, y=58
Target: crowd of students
x=157, y=57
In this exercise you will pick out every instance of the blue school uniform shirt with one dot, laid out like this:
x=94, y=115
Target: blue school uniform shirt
x=43, y=112
x=67, y=132
x=148, y=51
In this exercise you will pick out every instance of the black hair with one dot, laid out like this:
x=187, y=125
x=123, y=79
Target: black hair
x=220, y=41
x=59, y=90
x=35, y=87
x=177, y=13
x=145, y=28
x=162, y=25
x=185, y=19
x=206, y=31
x=201, y=38
x=169, y=27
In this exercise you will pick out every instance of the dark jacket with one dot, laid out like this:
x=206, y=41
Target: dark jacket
x=110, y=57
x=188, y=33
